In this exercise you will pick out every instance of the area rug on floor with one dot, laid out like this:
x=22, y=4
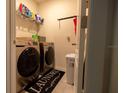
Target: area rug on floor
x=46, y=83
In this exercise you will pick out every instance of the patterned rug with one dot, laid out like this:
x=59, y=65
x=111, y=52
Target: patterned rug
x=46, y=83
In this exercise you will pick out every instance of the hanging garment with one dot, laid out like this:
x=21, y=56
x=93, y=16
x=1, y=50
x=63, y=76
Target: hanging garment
x=75, y=24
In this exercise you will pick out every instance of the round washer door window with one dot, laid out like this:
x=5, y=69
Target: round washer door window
x=28, y=62
x=49, y=56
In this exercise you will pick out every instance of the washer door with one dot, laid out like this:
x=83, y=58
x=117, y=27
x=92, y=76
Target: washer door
x=49, y=56
x=28, y=62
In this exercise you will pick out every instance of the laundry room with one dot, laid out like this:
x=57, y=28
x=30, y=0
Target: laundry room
x=46, y=45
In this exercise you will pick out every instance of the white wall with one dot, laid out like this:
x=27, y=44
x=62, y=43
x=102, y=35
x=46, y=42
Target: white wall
x=51, y=10
x=25, y=28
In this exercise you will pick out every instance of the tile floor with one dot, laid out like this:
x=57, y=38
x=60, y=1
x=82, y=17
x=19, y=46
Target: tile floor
x=63, y=87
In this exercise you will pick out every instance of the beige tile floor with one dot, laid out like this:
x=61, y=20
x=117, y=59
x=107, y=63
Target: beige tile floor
x=63, y=87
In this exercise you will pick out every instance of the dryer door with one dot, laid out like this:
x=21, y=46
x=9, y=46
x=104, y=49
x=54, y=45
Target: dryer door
x=28, y=62
x=49, y=56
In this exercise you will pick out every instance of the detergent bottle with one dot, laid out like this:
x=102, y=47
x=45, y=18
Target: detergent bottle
x=32, y=16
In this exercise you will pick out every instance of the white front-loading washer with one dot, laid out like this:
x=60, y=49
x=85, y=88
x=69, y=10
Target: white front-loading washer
x=27, y=64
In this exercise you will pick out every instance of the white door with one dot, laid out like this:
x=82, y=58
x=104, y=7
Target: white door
x=100, y=28
x=81, y=45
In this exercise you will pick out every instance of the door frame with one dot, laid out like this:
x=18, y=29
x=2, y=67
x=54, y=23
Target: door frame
x=81, y=11
x=8, y=46
x=11, y=47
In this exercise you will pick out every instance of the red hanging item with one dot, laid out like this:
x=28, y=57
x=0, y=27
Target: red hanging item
x=20, y=7
x=75, y=24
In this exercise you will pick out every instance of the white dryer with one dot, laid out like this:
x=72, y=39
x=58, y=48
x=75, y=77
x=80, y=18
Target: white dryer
x=28, y=63
x=47, y=56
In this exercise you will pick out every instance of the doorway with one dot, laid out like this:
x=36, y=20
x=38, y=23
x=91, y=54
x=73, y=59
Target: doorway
x=59, y=25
